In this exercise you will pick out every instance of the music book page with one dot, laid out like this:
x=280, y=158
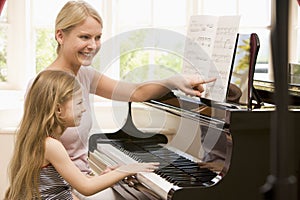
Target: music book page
x=209, y=51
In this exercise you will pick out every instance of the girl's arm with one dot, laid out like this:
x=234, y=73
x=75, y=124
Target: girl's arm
x=59, y=158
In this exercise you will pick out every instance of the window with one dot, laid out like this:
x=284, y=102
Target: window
x=43, y=19
x=44, y=24
x=3, y=44
x=156, y=62
x=255, y=18
x=27, y=44
x=295, y=32
x=18, y=51
x=158, y=14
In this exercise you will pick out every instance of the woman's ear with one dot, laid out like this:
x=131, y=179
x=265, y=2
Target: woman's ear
x=59, y=36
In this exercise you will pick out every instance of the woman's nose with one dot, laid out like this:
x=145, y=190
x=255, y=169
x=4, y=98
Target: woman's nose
x=92, y=44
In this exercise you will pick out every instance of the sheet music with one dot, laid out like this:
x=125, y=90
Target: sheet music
x=209, y=51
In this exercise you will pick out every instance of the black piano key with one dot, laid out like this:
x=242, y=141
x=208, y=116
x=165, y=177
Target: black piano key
x=193, y=170
x=183, y=164
x=173, y=167
x=178, y=178
x=174, y=172
x=170, y=173
x=199, y=175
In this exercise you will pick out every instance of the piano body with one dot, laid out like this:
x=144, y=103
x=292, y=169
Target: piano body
x=233, y=139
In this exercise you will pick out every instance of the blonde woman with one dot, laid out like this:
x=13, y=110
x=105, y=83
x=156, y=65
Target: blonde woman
x=78, y=30
x=40, y=167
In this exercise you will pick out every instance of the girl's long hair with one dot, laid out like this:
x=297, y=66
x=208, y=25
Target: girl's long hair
x=39, y=121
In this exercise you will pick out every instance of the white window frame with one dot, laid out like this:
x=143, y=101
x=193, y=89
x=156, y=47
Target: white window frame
x=293, y=32
x=20, y=59
x=21, y=47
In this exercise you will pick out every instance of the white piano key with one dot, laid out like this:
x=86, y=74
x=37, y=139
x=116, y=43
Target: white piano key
x=151, y=180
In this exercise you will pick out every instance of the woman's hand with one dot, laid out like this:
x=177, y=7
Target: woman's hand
x=190, y=84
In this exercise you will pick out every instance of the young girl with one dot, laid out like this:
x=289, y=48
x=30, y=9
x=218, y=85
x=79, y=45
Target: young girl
x=41, y=167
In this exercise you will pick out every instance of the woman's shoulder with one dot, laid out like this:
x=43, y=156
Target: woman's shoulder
x=88, y=76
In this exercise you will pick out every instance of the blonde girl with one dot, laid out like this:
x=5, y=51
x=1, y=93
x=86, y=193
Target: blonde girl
x=40, y=167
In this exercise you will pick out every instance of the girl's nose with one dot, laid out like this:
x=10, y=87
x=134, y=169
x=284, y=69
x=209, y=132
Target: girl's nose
x=83, y=109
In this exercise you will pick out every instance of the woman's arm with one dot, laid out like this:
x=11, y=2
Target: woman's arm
x=59, y=158
x=139, y=92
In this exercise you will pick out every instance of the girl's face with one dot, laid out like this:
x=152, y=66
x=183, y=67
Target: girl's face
x=71, y=111
x=81, y=44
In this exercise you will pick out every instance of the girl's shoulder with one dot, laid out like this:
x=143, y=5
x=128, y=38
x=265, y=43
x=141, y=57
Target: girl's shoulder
x=54, y=150
x=52, y=143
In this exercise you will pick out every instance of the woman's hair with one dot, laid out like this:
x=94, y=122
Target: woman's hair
x=40, y=120
x=72, y=14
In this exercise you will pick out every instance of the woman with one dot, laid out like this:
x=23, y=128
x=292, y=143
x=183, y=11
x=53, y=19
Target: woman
x=78, y=33
x=40, y=167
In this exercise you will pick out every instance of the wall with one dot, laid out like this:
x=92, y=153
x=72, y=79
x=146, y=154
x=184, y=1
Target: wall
x=7, y=145
x=11, y=103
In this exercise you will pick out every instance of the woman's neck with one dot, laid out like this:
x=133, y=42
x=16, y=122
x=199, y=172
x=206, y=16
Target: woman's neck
x=60, y=65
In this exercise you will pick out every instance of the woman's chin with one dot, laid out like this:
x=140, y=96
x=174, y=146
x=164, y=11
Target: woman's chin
x=86, y=62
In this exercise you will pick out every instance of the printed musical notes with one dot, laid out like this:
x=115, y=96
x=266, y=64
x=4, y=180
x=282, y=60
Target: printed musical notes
x=209, y=51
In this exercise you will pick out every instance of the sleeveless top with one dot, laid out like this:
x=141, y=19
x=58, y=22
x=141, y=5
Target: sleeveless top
x=53, y=186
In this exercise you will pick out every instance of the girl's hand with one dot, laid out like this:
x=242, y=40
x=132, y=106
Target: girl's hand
x=108, y=169
x=138, y=167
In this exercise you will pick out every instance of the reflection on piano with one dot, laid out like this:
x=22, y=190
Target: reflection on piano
x=239, y=153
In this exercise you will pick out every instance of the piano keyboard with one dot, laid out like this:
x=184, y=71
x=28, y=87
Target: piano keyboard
x=175, y=171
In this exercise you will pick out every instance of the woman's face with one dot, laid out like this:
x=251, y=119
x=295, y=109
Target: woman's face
x=81, y=44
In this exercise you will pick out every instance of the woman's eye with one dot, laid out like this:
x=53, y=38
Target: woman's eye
x=98, y=38
x=85, y=37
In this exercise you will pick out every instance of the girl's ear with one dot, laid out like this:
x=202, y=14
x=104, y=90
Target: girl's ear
x=58, y=109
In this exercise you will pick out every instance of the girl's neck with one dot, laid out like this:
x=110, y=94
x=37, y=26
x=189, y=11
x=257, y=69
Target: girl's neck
x=58, y=131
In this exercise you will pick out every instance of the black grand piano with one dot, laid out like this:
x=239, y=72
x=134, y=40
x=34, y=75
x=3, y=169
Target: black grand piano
x=239, y=155
x=215, y=150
